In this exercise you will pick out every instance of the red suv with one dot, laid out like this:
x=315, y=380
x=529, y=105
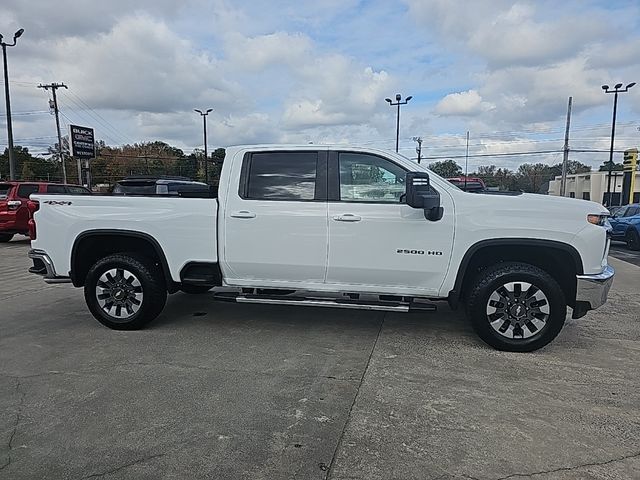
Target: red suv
x=14, y=215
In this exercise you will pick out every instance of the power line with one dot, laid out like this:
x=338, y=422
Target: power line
x=101, y=117
x=504, y=154
x=86, y=118
x=31, y=112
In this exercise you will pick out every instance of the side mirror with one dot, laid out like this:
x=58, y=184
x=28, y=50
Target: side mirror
x=420, y=195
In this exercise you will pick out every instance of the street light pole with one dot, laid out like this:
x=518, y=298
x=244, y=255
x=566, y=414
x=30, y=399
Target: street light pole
x=617, y=89
x=398, y=103
x=12, y=160
x=204, y=127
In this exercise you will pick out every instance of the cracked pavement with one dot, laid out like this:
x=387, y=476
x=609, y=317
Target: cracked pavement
x=257, y=392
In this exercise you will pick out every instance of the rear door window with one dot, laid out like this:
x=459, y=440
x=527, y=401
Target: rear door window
x=27, y=189
x=282, y=176
x=5, y=188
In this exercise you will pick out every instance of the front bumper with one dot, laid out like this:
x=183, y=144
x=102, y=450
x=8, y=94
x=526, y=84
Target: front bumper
x=42, y=265
x=593, y=289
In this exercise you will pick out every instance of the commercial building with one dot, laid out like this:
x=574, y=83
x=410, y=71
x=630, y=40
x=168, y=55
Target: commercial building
x=593, y=186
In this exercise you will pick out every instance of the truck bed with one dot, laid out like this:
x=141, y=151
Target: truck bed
x=184, y=227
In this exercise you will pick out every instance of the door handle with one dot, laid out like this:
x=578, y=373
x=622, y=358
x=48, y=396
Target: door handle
x=347, y=217
x=243, y=214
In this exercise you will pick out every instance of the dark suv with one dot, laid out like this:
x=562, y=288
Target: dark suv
x=147, y=185
x=14, y=215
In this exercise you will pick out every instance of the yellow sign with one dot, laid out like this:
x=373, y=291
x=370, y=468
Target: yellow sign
x=630, y=164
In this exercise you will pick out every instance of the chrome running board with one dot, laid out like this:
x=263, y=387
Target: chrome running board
x=381, y=306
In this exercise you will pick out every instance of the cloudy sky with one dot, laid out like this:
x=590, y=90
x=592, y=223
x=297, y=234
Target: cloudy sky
x=290, y=71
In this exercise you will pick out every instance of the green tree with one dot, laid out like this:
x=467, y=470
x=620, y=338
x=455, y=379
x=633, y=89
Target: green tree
x=446, y=168
x=146, y=158
x=531, y=176
x=617, y=167
x=217, y=158
x=488, y=175
x=35, y=168
x=27, y=172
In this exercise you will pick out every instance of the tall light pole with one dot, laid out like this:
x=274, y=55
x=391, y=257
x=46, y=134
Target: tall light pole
x=204, y=125
x=398, y=103
x=12, y=160
x=617, y=89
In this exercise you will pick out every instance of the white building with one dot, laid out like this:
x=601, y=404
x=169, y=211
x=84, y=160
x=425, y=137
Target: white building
x=593, y=186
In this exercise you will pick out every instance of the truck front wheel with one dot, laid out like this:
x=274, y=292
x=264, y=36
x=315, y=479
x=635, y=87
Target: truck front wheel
x=516, y=307
x=125, y=291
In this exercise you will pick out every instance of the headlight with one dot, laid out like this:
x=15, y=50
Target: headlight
x=599, y=219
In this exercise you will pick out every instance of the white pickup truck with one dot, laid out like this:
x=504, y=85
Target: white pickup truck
x=333, y=227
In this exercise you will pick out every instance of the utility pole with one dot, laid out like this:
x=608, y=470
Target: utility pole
x=565, y=159
x=418, y=140
x=466, y=163
x=204, y=126
x=398, y=103
x=54, y=86
x=12, y=160
x=617, y=89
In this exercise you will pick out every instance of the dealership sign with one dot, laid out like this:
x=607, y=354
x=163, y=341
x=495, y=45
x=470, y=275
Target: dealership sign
x=82, y=142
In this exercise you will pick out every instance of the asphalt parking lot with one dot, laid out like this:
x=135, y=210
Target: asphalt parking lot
x=217, y=390
x=621, y=251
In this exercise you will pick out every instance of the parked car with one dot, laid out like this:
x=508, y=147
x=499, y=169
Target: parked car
x=468, y=184
x=614, y=209
x=289, y=228
x=154, y=185
x=625, y=225
x=14, y=215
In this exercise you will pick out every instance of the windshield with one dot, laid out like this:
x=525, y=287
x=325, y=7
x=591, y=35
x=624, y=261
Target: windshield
x=5, y=188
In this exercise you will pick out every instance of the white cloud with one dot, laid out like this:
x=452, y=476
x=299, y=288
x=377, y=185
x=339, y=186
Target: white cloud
x=281, y=70
x=505, y=33
x=334, y=90
x=52, y=20
x=272, y=50
x=141, y=65
x=467, y=103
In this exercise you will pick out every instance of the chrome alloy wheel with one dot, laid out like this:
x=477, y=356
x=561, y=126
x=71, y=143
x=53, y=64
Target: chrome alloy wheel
x=518, y=310
x=119, y=293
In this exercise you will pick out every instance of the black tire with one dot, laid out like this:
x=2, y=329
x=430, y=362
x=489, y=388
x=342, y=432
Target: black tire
x=6, y=237
x=149, y=284
x=521, y=312
x=195, y=289
x=633, y=239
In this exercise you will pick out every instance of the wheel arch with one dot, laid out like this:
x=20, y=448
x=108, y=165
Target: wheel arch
x=559, y=259
x=92, y=245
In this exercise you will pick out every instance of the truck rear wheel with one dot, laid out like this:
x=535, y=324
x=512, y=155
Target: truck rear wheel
x=125, y=291
x=5, y=237
x=516, y=307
